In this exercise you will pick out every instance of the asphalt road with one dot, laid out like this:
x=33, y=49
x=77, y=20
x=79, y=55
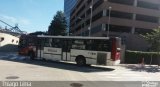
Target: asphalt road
x=55, y=74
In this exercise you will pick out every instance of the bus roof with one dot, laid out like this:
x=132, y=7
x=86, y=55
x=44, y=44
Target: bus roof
x=72, y=37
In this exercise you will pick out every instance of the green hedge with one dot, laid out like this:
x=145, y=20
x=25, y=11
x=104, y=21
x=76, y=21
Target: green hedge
x=135, y=57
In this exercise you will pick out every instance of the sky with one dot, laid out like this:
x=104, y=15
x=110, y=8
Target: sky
x=30, y=15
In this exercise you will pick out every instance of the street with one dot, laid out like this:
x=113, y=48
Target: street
x=20, y=68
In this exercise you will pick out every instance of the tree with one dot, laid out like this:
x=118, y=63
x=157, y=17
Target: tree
x=153, y=39
x=58, y=25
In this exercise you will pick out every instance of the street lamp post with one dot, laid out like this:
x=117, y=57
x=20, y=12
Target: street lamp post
x=109, y=19
x=90, y=26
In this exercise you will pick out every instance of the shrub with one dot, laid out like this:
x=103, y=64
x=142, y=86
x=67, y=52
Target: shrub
x=135, y=57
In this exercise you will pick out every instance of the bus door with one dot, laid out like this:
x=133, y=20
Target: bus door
x=39, y=48
x=66, y=50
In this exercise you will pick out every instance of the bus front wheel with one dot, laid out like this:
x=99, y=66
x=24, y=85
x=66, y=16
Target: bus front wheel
x=80, y=60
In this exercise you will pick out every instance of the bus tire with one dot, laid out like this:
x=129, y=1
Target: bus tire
x=80, y=60
x=31, y=55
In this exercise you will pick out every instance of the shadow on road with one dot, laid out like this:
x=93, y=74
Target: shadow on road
x=141, y=68
x=62, y=65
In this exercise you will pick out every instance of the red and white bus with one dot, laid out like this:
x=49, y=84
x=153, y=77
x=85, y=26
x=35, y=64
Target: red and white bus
x=82, y=50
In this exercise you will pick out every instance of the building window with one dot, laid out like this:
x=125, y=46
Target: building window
x=81, y=9
x=86, y=33
x=78, y=28
x=142, y=31
x=73, y=11
x=126, y=2
x=96, y=29
x=88, y=22
x=97, y=4
x=147, y=18
x=88, y=11
x=81, y=1
x=117, y=28
x=97, y=16
x=119, y=14
x=89, y=1
x=147, y=5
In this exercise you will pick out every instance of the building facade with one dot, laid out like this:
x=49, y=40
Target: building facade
x=68, y=6
x=123, y=18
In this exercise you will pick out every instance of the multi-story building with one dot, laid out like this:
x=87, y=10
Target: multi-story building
x=125, y=18
x=68, y=6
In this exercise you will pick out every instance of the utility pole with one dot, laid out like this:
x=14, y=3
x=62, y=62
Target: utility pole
x=90, y=26
x=109, y=19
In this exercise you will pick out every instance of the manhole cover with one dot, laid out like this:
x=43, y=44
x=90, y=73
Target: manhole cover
x=12, y=77
x=76, y=85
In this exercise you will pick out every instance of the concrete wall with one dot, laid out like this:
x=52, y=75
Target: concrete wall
x=9, y=42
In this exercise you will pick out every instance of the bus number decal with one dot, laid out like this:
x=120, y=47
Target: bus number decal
x=91, y=53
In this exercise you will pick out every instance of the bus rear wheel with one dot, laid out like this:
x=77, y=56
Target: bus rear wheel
x=80, y=60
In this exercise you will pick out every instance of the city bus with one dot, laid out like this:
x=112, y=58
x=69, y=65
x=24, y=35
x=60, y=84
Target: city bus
x=81, y=50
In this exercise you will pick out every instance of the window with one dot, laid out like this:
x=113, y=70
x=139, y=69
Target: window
x=78, y=44
x=97, y=4
x=119, y=14
x=89, y=45
x=142, y=31
x=147, y=5
x=147, y=18
x=46, y=42
x=88, y=22
x=88, y=11
x=56, y=43
x=81, y=9
x=94, y=45
x=117, y=28
x=96, y=29
x=89, y=1
x=126, y=2
x=79, y=3
x=102, y=45
x=97, y=16
x=31, y=42
x=78, y=28
x=86, y=33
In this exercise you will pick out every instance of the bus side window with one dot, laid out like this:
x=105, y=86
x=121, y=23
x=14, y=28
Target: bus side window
x=47, y=42
x=78, y=44
x=89, y=44
x=102, y=45
x=56, y=43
